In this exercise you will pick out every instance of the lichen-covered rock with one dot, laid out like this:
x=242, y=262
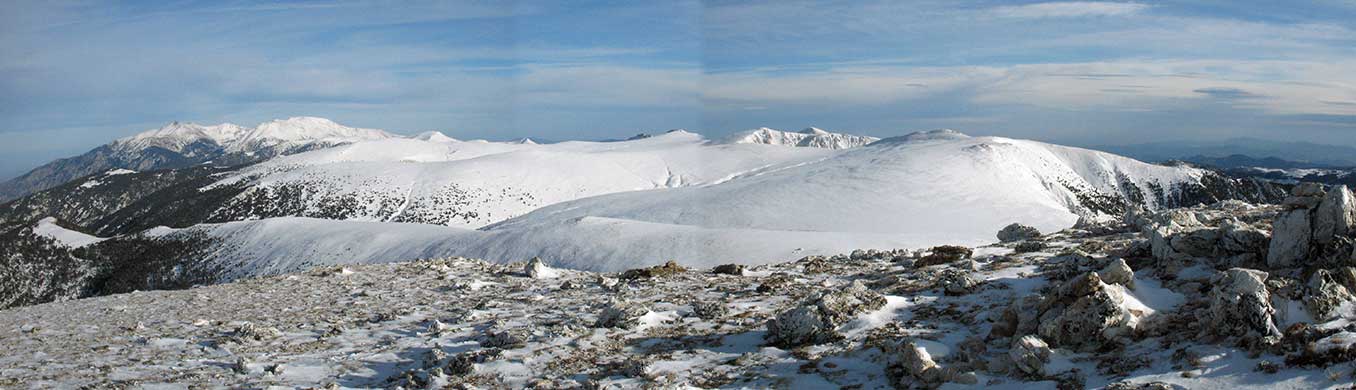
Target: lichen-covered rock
x=1018, y=232
x=620, y=315
x=1118, y=272
x=956, y=282
x=1030, y=354
x=668, y=269
x=944, y=254
x=710, y=310
x=840, y=306
x=1237, y=237
x=1290, y=235
x=1019, y=318
x=728, y=269
x=1093, y=321
x=505, y=338
x=1240, y=306
x=816, y=321
x=1200, y=242
x=1325, y=294
x=1335, y=216
x=1029, y=246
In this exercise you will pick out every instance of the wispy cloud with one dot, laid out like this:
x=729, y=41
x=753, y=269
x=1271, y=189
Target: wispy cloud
x=1068, y=9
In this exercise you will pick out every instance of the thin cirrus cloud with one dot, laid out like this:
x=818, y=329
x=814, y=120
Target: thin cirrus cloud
x=1068, y=9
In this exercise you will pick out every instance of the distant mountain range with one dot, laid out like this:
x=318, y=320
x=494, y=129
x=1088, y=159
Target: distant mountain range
x=1240, y=152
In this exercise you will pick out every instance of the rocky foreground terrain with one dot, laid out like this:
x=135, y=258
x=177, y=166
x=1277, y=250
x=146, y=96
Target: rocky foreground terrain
x=1230, y=295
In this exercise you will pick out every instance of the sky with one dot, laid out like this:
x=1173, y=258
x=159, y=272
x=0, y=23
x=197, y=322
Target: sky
x=78, y=74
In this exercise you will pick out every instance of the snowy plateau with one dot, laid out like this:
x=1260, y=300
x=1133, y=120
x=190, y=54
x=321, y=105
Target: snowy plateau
x=302, y=253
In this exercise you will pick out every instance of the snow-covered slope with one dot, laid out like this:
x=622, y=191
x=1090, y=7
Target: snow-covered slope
x=48, y=227
x=914, y=191
x=810, y=137
x=471, y=184
x=612, y=206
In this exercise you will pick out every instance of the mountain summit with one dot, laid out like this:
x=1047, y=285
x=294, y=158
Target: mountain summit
x=182, y=144
x=810, y=137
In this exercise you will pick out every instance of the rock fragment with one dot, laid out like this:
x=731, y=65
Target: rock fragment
x=729, y=269
x=1030, y=354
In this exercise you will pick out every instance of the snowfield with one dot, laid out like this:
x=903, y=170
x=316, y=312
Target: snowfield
x=607, y=206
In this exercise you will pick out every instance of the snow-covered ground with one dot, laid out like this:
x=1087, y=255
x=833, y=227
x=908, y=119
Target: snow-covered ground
x=459, y=321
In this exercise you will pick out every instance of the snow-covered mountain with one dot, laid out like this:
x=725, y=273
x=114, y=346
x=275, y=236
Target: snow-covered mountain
x=472, y=184
x=810, y=137
x=179, y=145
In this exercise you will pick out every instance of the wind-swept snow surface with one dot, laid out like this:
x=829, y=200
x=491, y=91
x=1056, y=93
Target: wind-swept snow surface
x=913, y=191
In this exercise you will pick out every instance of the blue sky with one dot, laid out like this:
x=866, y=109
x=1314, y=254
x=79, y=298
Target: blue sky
x=74, y=75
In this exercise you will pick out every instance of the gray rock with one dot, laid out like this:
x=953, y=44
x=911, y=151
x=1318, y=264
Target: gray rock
x=1196, y=243
x=816, y=321
x=1030, y=354
x=1325, y=294
x=1308, y=189
x=1240, y=306
x=1336, y=216
x=1118, y=272
x=1092, y=321
x=620, y=315
x=537, y=269
x=1237, y=237
x=505, y=338
x=1018, y=232
x=710, y=310
x=1290, y=235
x=956, y=282
x=919, y=364
x=729, y=269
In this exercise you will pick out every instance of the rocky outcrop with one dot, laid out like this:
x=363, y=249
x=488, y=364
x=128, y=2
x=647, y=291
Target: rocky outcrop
x=1335, y=216
x=1018, y=232
x=1290, y=236
x=1095, y=317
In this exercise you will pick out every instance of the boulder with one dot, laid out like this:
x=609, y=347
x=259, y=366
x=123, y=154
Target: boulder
x=729, y=269
x=1197, y=242
x=1290, y=235
x=918, y=363
x=1092, y=321
x=537, y=269
x=1018, y=232
x=956, y=282
x=620, y=315
x=1240, y=306
x=1325, y=294
x=1237, y=237
x=1019, y=318
x=1335, y=216
x=1030, y=354
x=944, y=254
x=1118, y=272
x=710, y=310
x=816, y=320
x=669, y=268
